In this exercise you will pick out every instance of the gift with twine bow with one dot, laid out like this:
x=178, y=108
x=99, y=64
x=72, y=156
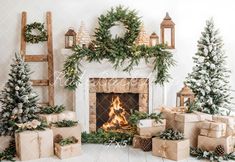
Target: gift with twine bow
x=213, y=129
x=31, y=145
x=187, y=123
x=229, y=121
x=170, y=149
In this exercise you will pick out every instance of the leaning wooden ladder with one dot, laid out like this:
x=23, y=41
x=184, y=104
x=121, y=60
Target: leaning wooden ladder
x=41, y=58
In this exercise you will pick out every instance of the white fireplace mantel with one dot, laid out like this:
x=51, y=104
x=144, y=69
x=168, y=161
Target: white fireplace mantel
x=105, y=69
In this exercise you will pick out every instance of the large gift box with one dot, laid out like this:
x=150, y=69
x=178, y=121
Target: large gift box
x=153, y=130
x=65, y=115
x=187, y=123
x=66, y=132
x=67, y=151
x=213, y=129
x=208, y=143
x=4, y=142
x=228, y=120
x=170, y=149
x=32, y=145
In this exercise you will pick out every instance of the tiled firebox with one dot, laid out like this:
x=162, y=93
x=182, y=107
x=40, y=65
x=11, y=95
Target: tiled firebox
x=116, y=85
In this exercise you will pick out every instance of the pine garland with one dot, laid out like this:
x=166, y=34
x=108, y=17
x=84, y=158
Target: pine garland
x=171, y=134
x=210, y=155
x=52, y=109
x=118, y=50
x=65, y=123
x=136, y=116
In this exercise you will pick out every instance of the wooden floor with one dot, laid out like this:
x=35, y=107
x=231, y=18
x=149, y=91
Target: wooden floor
x=102, y=153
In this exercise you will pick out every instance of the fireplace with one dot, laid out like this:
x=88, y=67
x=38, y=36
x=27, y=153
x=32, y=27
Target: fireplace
x=113, y=110
x=111, y=101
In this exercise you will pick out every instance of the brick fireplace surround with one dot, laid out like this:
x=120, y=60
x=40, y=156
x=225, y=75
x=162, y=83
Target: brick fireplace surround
x=116, y=85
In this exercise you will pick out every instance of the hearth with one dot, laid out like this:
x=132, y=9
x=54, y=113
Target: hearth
x=113, y=110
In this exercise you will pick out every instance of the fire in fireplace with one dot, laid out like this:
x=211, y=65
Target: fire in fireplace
x=113, y=110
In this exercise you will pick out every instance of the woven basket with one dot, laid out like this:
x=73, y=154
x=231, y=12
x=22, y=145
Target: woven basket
x=146, y=143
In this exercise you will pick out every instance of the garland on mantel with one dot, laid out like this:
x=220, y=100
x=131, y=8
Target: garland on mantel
x=118, y=50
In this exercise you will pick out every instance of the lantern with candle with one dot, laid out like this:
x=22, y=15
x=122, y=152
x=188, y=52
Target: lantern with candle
x=70, y=38
x=185, y=96
x=154, y=39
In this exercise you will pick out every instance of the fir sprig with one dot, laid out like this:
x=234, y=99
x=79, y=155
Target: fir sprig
x=52, y=109
x=65, y=123
x=171, y=134
x=210, y=155
x=9, y=153
x=136, y=116
x=68, y=141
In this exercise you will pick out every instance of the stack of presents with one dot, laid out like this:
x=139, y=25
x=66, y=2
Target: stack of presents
x=37, y=144
x=200, y=130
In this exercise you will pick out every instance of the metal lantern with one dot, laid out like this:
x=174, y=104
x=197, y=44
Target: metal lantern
x=70, y=38
x=168, y=32
x=185, y=96
x=154, y=39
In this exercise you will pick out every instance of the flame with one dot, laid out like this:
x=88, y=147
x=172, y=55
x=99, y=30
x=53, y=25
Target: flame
x=117, y=116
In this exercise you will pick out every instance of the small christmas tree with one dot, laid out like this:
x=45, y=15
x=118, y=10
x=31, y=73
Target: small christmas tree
x=17, y=98
x=209, y=79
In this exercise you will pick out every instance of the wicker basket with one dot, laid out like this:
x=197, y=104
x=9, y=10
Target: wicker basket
x=146, y=143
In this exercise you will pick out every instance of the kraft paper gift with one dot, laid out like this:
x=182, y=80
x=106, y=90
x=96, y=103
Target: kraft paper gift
x=152, y=131
x=4, y=142
x=67, y=151
x=65, y=115
x=213, y=129
x=66, y=132
x=228, y=120
x=147, y=123
x=136, y=141
x=208, y=143
x=171, y=149
x=31, y=145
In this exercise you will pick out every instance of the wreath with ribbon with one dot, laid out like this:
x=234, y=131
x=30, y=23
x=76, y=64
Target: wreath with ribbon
x=32, y=38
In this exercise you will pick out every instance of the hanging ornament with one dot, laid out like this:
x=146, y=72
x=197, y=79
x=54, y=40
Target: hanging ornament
x=143, y=38
x=83, y=36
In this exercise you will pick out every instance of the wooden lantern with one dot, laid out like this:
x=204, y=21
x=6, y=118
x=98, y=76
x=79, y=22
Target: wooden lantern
x=185, y=96
x=154, y=39
x=70, y=38
x=168, y=30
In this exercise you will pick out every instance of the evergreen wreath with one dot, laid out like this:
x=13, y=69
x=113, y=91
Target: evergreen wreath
x=119, y=49
x=31, y=38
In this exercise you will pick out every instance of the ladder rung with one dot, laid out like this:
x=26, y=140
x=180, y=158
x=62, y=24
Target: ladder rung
x=36, y=58
x=43, y=103
x=44, y=82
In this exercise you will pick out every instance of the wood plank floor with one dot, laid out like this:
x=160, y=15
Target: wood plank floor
x=102, y=153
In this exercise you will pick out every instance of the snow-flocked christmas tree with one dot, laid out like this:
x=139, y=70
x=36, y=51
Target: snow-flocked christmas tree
x=19, y=102
x=209, y=78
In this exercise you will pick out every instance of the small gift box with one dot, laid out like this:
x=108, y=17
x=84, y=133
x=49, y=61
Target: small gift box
x=31, y=145
x=213, y=129
x=208, y=143
x=152, y=131
x=4, y=142
x=136, y=141
x=65, y=115
x=228, y=120
x=171, y=149
x=66, y=132
x=67, y=151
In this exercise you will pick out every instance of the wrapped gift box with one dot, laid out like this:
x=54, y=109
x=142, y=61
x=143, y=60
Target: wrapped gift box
x=152, y=131
x=208, y=143
x=32, y=145
x=146, y=123
x=65, y=115
x=4, y=142
x=66, y=132
x=136, y=141
x=67, y=151
x=213, y=129
x=187, y=123
x=171, y=149
x=228, y=120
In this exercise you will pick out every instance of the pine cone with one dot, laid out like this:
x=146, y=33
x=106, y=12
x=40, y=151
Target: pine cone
x=219, y=150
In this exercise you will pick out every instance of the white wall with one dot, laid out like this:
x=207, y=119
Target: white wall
x=189, y=16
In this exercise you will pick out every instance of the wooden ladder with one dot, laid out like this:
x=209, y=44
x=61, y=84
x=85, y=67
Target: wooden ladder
x=41, y=58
